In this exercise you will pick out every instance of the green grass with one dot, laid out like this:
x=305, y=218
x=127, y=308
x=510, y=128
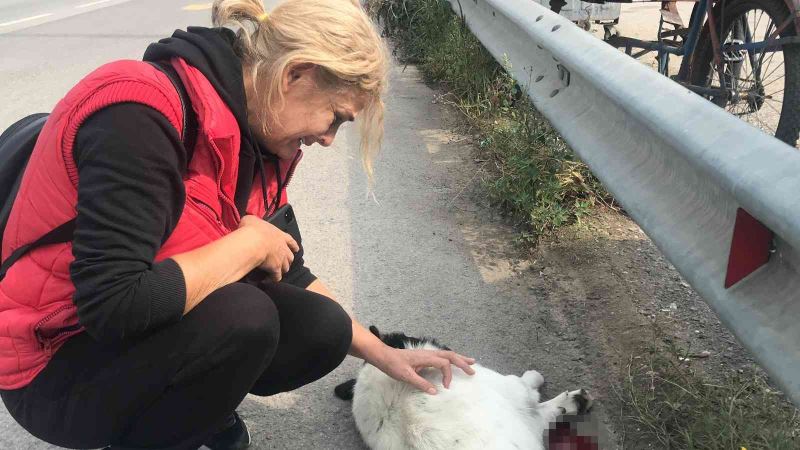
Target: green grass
x=534, y=177
x=672, y=404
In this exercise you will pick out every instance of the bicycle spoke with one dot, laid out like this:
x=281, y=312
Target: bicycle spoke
x=771, y=101
x=773, y=108
x=762, y=13
x=752, y=118
x=751, y=81
x=759, y=19
x=737, y=110
x=758, y=119
x=771, y=82
x=767, y=84
x=757, y=116
x=769, y=129
x=765, y=78
x=768, y=63
x=767, y=34
x=773, y=71
x=751, y=56
x=763, y=125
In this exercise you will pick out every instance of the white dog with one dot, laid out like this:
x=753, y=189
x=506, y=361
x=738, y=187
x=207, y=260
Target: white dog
x=485, y=411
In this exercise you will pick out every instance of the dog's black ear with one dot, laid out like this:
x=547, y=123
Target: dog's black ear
x=374, y=330
x=345, y=390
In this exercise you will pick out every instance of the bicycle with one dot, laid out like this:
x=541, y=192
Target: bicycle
x=749, y=64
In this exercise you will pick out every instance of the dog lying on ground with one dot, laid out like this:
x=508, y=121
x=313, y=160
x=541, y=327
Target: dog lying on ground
x=484, y=411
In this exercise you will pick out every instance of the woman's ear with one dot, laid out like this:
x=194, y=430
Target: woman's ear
x=298, y=73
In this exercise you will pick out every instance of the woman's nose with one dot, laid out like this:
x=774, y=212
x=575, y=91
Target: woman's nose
x=327, y=139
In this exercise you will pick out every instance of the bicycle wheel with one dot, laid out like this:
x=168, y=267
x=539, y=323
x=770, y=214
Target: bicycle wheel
x=763, y=86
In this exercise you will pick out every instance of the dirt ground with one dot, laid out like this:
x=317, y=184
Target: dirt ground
x=595, y=290
x=607, y=274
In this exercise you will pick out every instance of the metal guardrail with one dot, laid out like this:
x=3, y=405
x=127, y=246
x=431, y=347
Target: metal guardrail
x=680, y=166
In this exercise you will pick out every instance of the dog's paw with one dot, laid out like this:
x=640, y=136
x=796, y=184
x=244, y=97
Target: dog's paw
x=533, y=379
x=572, y=402
x=580, y=401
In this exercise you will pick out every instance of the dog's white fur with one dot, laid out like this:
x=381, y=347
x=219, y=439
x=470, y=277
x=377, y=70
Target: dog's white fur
x=484, y=411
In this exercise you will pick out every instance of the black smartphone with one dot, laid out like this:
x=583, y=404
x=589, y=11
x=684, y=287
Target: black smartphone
x=285, y=220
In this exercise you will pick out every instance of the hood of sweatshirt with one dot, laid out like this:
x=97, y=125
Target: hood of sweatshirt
x=213, y=52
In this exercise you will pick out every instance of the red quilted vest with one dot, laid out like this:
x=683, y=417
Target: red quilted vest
x=36, y=310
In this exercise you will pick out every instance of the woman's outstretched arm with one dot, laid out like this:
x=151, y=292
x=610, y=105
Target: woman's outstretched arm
x=401, y=365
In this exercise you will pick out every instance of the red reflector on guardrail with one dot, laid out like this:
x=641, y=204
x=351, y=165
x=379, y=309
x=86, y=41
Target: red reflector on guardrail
x=750, y=247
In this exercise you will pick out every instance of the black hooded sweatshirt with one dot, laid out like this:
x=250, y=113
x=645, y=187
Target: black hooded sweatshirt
x=131, y=164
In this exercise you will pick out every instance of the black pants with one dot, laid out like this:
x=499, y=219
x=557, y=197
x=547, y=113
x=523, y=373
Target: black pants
x=172, y=389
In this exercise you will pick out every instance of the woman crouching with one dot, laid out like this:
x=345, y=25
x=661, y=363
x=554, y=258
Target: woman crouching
x=175, y=298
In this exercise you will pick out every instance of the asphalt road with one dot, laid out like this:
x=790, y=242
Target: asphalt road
x=423, y=258
x=20, y=14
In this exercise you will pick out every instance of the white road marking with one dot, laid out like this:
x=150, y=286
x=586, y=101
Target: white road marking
x=27, y=19
x=86, y=5
x=197, y=7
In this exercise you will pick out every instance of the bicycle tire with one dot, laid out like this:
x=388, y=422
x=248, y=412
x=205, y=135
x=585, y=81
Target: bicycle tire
x=788, y=127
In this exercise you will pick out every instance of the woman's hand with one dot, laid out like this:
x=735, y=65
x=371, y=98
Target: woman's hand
x=277, y=247
x=403, y=365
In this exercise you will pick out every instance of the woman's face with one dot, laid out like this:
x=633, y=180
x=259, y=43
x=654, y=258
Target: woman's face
x=310, y=114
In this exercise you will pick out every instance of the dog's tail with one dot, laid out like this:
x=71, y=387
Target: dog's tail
x=345, y=390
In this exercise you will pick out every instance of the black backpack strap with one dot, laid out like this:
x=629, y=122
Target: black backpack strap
x=16, y=146
x=189, y=131
x=62, y=233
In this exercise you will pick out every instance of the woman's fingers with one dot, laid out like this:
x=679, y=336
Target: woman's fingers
x=433, y=360
x=406, y=364
x=420, y=383
x=286, y=260
x=289, y=259
x=447, y=372
x=275, y=276
x=460, y=361
x=443, y=360
x=292, y=243
x=285, y=266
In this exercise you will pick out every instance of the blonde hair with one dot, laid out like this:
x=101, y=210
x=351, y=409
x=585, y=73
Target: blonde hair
x=337, y=36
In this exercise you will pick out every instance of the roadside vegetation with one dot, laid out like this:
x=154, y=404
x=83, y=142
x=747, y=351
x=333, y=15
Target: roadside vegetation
x=529, y=171
x=534, y=177
x=672, y=403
